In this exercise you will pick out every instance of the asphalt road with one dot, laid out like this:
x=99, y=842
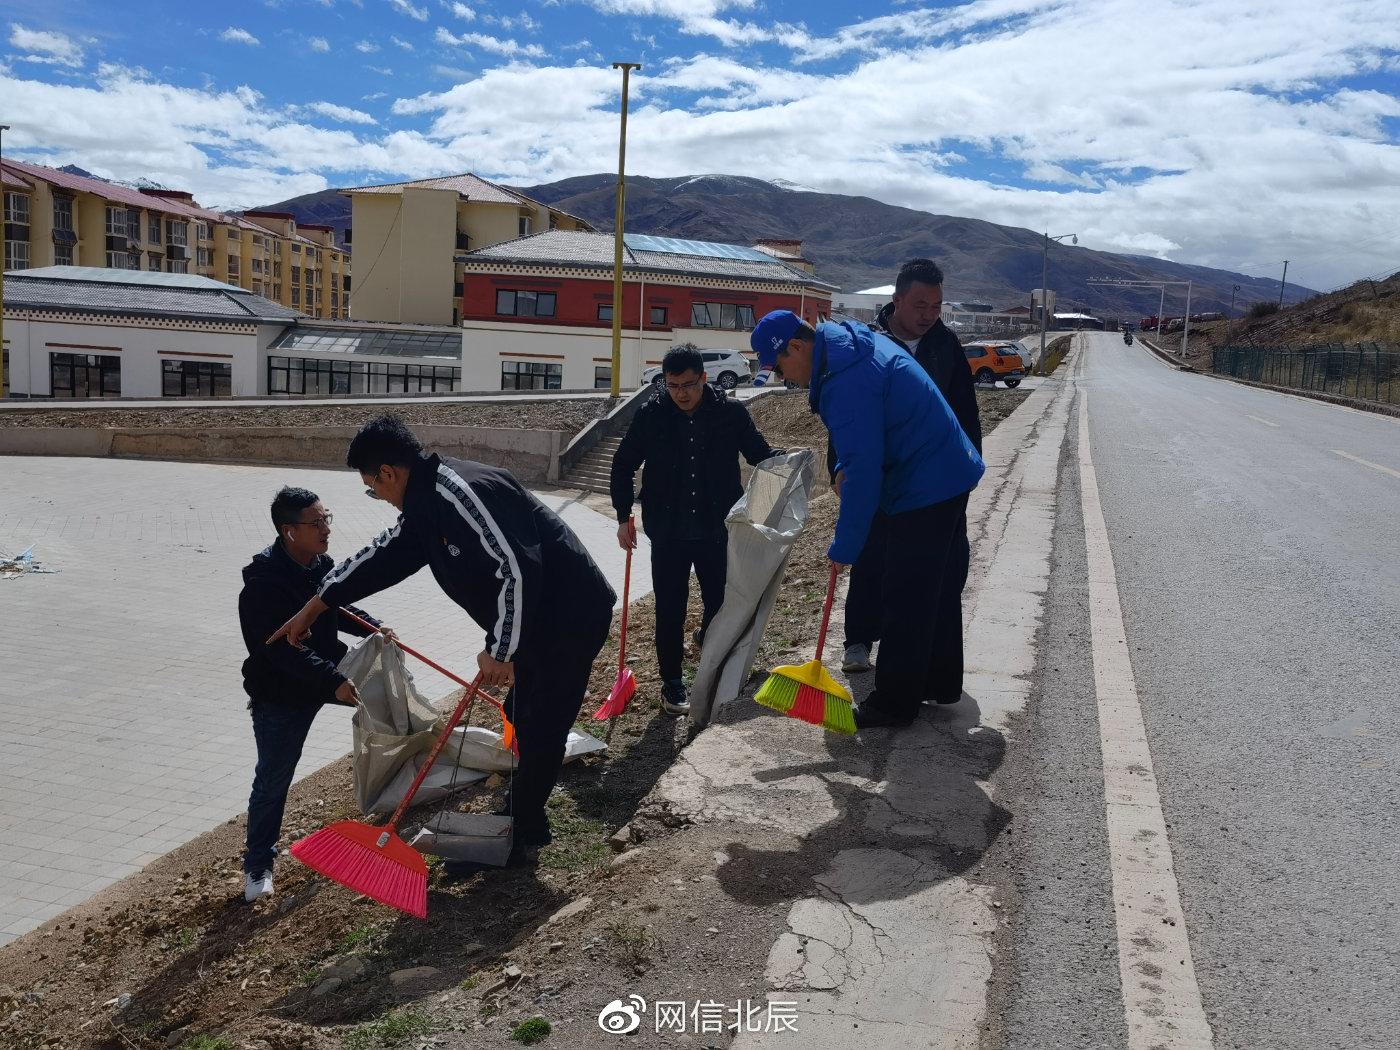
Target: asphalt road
x=1255, y=545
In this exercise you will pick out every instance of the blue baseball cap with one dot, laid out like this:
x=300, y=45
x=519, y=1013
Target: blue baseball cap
x=771, y=335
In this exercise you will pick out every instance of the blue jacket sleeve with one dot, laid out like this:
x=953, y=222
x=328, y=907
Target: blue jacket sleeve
x=856, y=420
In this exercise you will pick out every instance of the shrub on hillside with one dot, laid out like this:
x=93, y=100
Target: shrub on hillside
x=1263, y=308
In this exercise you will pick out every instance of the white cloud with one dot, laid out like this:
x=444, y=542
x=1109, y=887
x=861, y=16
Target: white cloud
x=344, y=114
x=44, y=47
x=366, y=47
x=399, y=42
x=319, y=43
x=383, y=71
x=403, y=7
x=463, y=12
x=235, y=35
x=496, y=45
x=509, y=22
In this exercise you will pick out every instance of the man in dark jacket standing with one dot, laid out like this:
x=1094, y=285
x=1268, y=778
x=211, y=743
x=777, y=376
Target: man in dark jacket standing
x=690, y=439
x=516, y=569
x=913, y=321
x=286, y=686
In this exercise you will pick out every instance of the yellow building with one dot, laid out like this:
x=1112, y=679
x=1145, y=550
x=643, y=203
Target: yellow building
x=413, y=237
x=55, y=218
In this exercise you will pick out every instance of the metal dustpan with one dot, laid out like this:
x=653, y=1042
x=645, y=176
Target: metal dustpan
x=483, y=838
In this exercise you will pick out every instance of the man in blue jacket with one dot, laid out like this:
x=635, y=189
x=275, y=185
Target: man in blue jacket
x=902, y=452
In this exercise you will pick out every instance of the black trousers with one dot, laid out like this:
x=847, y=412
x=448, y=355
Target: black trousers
x=671, y=562
x=550, y=683
x=921, y=573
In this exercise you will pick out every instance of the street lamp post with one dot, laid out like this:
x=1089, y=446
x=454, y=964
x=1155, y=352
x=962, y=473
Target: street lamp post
x=1045, y=293
x=1234, y=289
x=626, y=68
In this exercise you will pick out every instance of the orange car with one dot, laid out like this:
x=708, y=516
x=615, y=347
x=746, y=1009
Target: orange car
x=995, y=361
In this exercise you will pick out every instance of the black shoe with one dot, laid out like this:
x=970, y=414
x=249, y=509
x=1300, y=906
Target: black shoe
x=531, y=835
x=945, y=701
x=674, y=699
x=870, y=717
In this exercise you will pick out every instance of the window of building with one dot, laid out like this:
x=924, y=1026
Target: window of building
x=153, y=227
x=277, y=292
x=85, y=375
x=277, y=270
x=531, y=375
x=133, y=224
x=525, y=223
x=296, y=296
x=17, y=208
x=257, y=265
x=177, y=232
x=202, y=230
x=196, y=379
x=63, y=214
x=177, y=266
x=658, y=314
x=16, y=255
x=204, y=257
x=602, y=377
x=321, y=378
x=605, y=311
x=525, y=304
x=721, y=315
x=233, y=264
x=153, y=260
x=296, y=275
x=296, y=248
x=123, y=261
x=63, y=255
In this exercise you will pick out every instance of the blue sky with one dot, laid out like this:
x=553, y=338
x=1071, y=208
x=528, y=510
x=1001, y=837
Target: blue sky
x=1232, y=133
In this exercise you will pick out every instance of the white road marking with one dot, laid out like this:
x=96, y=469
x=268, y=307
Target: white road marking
x=1261, y=419
x=1161, y=998
x=1365, y=462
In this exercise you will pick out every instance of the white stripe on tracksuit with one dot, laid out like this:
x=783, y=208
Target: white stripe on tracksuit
x=509, y=604
x=345, y=568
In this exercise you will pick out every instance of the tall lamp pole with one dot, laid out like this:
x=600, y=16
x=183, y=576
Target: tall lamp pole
x=626, y=68
x=3, y=128
x=1234, y=289
x=1282, y=283
x=1044, y=292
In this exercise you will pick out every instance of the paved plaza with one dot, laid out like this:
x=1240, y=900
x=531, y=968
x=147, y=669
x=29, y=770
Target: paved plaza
x=124, y=729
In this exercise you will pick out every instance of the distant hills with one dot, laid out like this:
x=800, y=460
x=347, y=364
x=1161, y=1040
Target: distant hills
x=859, y=242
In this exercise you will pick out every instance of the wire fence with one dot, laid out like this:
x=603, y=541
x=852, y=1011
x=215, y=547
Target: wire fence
x=1366, y=371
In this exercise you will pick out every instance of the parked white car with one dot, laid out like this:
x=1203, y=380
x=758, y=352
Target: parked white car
x=726, y=368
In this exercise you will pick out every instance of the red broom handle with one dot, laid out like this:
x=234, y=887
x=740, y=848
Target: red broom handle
x=826, y=611
x=626, y=589
x=467, y=698
x=508, y=736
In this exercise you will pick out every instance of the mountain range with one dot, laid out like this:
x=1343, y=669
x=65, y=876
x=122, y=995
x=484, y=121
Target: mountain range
x=859, y=242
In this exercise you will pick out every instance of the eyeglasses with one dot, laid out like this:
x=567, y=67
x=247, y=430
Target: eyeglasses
x=372, y=494
x=323, y=522
x=683, y=388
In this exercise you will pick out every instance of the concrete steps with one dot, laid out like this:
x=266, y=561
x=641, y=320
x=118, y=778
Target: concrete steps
x=594, y=470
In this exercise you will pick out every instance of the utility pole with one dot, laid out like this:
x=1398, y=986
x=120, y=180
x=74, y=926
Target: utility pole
x=1045, y=293
x=1186, y=324
x=1233, y=289
x=3, y=128
x=1281, y=283
x=626, y=68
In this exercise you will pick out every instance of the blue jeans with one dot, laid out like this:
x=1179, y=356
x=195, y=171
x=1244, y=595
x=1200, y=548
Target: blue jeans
x=280, y=732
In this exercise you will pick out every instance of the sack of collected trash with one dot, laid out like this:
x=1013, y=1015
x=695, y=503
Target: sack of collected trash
x=394, y=728
x=763, y=526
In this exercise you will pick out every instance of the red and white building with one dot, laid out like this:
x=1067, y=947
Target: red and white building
x=537, y=312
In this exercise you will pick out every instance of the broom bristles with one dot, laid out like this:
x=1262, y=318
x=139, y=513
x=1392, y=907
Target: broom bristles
x=622, y=691
x=800, y=700
x=348, y=852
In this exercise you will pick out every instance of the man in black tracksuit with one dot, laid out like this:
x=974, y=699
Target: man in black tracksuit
x=287, y=686
x=913, y=321
x=517, y=570
x=690, y=439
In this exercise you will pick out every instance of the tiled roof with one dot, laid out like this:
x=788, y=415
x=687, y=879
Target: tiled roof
x=472, y=187
x=81, y=289
x=10, y=178
x=579, y=248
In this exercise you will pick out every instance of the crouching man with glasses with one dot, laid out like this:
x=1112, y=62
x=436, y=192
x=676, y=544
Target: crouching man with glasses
x=286, y=686
x=690, y=438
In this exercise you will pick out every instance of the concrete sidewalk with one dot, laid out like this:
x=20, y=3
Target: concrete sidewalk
x=894, y=947
x=124, y=728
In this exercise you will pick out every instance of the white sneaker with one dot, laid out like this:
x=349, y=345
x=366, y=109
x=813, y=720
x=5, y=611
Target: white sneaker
x=255, y=886
x=857, y=659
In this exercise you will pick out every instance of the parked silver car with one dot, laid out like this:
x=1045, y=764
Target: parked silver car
x=725, y=368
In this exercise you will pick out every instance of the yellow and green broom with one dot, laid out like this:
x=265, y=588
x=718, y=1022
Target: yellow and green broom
x=808, y=692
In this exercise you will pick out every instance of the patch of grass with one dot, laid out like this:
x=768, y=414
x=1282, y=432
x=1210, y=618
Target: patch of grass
x=631, y=942
x=184, y=940
x=207, y=1042
x=356, y=937
x=530, y=1032
x=388, y=1031
x=311, y=976
x=580, y=843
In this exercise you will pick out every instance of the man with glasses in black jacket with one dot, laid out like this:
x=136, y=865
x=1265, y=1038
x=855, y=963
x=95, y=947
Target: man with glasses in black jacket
x=690, y=438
